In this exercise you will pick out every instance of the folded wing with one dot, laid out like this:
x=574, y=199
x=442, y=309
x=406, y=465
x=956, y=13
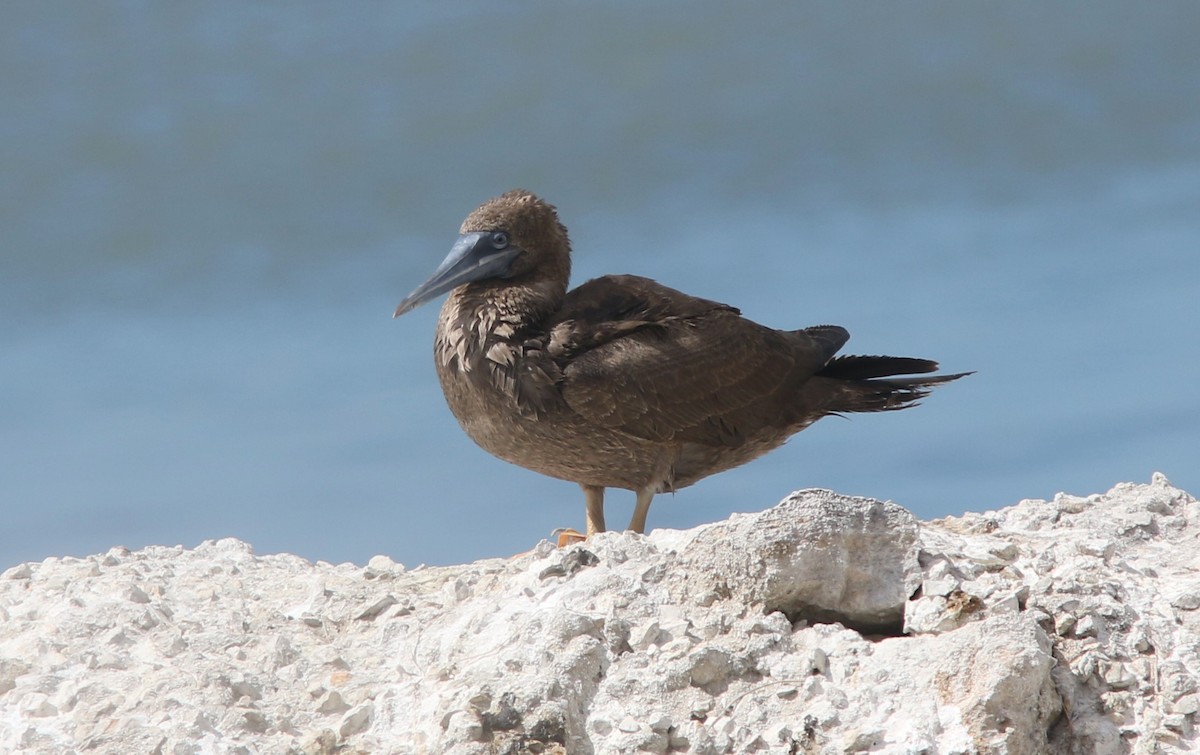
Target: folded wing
x=661, y=365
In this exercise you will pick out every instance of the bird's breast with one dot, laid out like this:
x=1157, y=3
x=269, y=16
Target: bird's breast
x=503, y=386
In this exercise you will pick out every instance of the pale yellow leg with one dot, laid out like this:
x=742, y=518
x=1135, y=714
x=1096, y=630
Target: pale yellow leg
x=640, y=509
x=593, y=495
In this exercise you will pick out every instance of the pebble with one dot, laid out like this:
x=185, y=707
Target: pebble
x=629, y=725
x=1187, y=601
x=356, y=720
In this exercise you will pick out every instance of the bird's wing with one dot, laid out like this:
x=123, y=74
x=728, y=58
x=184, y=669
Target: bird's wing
x=659, y=364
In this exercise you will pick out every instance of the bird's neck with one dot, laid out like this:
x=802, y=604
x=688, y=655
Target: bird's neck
x=503, y=311
x=477, y=319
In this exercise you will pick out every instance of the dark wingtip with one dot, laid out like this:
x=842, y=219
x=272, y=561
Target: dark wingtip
x=878, y=384
x=854, y=367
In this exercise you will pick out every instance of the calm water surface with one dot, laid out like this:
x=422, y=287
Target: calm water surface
x=208, y=213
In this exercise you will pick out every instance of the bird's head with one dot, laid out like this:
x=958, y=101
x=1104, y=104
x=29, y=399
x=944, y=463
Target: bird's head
x=515, y=237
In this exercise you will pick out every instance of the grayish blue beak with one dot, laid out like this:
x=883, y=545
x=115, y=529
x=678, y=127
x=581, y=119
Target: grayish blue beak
x=474, y=257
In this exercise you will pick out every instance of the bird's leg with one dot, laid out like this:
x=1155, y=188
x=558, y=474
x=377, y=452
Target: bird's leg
x=593, y=495
x=640, y=509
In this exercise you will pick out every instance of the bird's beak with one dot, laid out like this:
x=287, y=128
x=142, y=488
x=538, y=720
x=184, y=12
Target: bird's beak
x=472, y=258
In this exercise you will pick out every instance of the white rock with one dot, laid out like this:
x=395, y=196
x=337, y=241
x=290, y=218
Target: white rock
x=1063, y=626
x=355, y=720
x=332, y=702
x=817, y=554
x=1187, y=600
x=629, y=724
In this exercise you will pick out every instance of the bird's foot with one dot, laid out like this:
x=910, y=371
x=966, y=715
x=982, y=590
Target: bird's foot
x=568, y=536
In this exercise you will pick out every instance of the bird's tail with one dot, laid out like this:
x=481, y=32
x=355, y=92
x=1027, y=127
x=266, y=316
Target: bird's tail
x=878, y=384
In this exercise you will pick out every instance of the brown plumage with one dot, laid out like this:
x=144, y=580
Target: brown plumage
x=623, y=382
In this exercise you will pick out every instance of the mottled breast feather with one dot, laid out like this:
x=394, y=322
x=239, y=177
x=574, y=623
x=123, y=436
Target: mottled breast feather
x=496, y=355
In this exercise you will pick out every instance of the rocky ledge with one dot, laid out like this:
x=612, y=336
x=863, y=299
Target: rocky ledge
x=826, y=624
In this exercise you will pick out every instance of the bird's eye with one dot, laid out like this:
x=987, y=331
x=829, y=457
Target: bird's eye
x=500, y=239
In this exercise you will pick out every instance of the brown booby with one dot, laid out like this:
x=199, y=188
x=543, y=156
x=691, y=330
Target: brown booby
x=623, y=382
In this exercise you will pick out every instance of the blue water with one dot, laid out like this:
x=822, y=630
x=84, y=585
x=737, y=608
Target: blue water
x=208, y=212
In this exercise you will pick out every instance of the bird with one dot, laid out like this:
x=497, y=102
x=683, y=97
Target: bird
x=623, y=382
